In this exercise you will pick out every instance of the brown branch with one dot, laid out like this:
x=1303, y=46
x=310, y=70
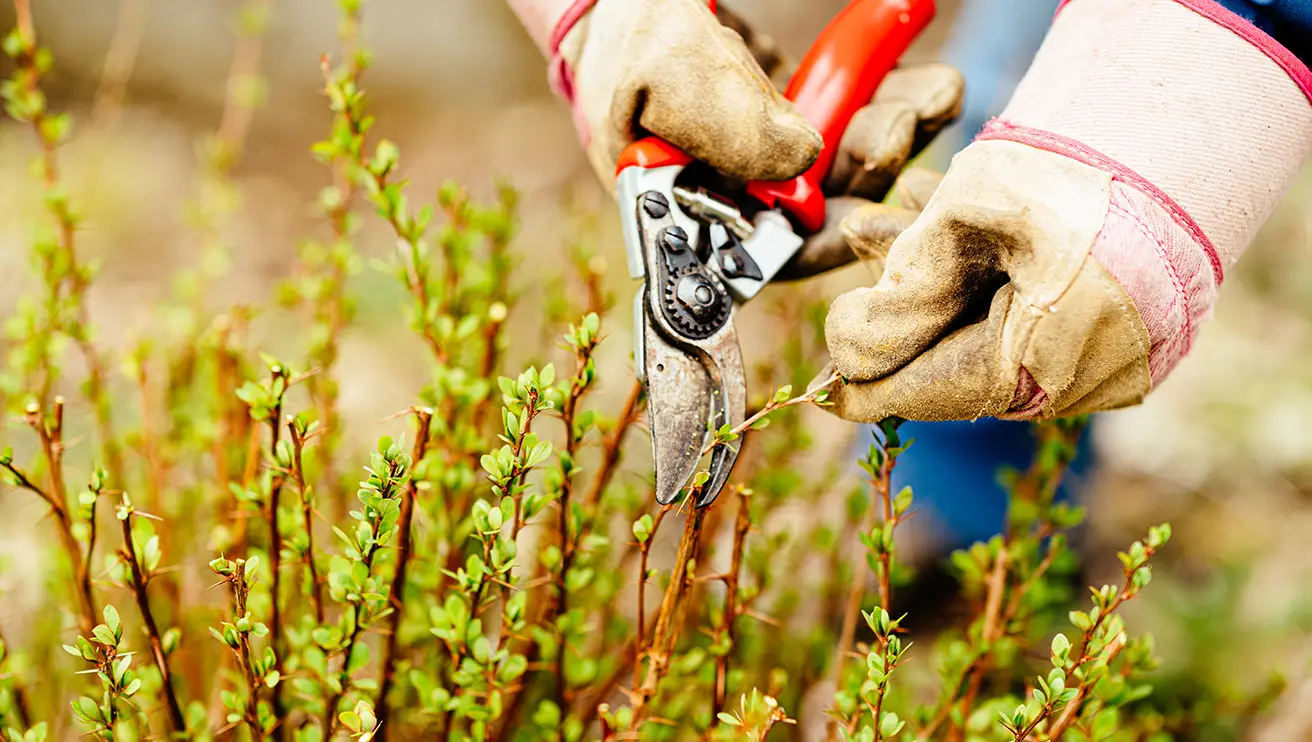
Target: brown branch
x=235, y=120
x=1071, y=711
x=128, y=554
x=644, y=549
x=884, y=487
x=239, y=592
x=78, y=280
x=119, y=61
x=396, y=594
x=883, y=512
x=72, y=283
x=276, y=480
x=307, y=519
x=847, y=635
x=670, y=618
x=249, y=470
x=578, y=387
x=993, y=628
x=51, y=436
x=19, y=692
x=23, y=18
x=329, y=724
x=742, y=525
x=150, y=448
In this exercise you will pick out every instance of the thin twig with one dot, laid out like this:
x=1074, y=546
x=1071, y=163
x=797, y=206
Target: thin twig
x=396, y=594
x=307, y=519
x=670, y=618
x=742, y=525
x=128, y=554
x=644, y=549
x=51, y=435
x=276, y=480
x=119, y=61
x=19, y=692
x=812, y=397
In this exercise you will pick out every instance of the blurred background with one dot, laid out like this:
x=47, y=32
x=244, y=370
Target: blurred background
x=1223, y=450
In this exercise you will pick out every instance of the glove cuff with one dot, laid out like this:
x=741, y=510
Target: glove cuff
x=1199, y=102
x=559, y=71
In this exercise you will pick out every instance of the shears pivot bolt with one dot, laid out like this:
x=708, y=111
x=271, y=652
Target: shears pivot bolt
x=674, y=239
x=655, y=205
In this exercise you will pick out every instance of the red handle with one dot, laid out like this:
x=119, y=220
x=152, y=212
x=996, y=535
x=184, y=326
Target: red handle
x=838, y=76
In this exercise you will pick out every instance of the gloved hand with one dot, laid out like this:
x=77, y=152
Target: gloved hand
x=1069, y=255
x=670, y=68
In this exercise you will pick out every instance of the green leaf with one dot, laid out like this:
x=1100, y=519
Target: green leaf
x=86, y=708
x=112, y=620
x=14, y=43
x=350, y=720
x=385, y=157
x=890, y=725
x=642, y=528
x=729, y=719
x=481, y=650
x=103, y=635
x=1061, y=646
x=121, y=668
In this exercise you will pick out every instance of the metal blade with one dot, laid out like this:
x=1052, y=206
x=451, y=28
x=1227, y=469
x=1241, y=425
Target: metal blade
x=728, y=387
x=678, y=405
x=687, y=388
x=688, y=355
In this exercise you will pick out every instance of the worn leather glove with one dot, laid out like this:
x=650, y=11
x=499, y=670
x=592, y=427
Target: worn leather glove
x=667, y=67
x=1070, y=254
x=670, y=68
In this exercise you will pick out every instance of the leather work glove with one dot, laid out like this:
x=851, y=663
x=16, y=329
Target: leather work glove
x=1068, y=257
x=670, y=68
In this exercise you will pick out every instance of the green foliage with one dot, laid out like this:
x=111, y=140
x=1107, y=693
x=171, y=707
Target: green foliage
x=499, y=573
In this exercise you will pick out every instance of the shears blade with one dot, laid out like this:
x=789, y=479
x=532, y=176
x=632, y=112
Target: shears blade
x=691, y=361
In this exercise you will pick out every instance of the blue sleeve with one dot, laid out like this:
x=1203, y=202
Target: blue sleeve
x=1286, y=21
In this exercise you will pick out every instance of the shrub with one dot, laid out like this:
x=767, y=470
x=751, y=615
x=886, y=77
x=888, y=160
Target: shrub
x=493, y=576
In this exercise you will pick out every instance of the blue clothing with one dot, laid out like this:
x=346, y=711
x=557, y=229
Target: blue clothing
x=992, y=42
x=1286, y=21
x=953, y=469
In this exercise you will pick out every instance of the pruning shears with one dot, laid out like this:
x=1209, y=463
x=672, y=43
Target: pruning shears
x=700, y=253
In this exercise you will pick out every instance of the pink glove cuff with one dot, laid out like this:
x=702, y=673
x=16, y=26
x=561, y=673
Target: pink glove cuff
x=562, y=77
x=1148, y=244
x=559, y=72
x=1201, y=120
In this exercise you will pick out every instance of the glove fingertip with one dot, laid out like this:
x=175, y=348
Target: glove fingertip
x=915, y=186
x=789, y=145
x=871, y=230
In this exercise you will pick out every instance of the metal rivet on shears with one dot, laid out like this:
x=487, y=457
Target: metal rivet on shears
x=655, y=205
x=674, y=239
